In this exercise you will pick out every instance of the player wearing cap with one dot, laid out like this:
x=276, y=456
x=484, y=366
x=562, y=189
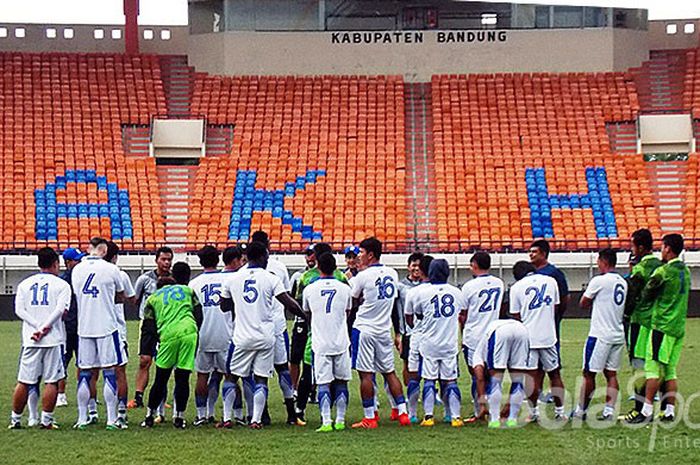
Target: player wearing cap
x=605, y=294
x=122, y=383
x=41, y=301
x=71, y=257
x=327, y=300
x=97, y=284
x=351, y=266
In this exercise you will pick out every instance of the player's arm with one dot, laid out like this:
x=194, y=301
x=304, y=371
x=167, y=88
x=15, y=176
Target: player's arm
x=149, y=329
x=589, y=294
x=654, y=286
x=226, y=301
x=197, y=311
x=356, y=292
x=480, y=375
x=306, y=307
x=635, y=286
x=291, y=305
x=514, y=305
x=21, y=309
x=61, y=308
x=398, y=308
x=129, y=292
x=139, y=289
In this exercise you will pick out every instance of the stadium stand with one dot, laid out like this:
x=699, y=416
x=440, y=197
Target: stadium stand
x=288, y=133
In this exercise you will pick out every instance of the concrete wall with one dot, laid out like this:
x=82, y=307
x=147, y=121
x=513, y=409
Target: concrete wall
x=660, y=40
x=417, y=55
x=83, y=40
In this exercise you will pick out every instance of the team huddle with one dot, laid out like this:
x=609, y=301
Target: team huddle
x=229, y=327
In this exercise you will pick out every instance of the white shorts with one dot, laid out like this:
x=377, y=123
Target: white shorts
x=468, y=356
x=331, y=367
x=210, y=361
x=125, y=353
x=281, y=348
x=508, y=348
x=101, y=352
x=245, y=362
x=414, y=358
x=599, y=355
x=372, y=353
x=45, y=363
x=546, y=359
x=444, y=369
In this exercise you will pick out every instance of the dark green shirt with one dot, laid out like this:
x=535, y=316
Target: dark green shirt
x=668, y=291
x=172, y=308
x=638, y=310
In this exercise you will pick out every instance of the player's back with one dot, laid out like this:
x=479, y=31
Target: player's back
x=439, y=305
x=95, y=284
x=279, y=269
x=173, y=307
x=670, y=308
x=40, y=295
x=409, y=309
x=254, y=292
x=328, y=300
x=376, y=285
x=217, y=326
x=534, y=297
x=483, y=296
x=608, y=292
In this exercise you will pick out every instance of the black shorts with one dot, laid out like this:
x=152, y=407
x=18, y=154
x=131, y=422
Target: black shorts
x=405, y=347
x=71, y=349
x=300, y=334
x=148, y=346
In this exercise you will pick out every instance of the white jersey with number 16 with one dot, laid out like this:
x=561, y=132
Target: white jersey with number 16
x=377, y=286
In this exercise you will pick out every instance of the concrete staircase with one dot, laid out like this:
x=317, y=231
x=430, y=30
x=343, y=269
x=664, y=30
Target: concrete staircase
x=420, y=163
x=175, y=183
x=622, y=136
x=178, y=83
x=668, y=180
x=135, y=139
x=219, y=139
x=659, y=81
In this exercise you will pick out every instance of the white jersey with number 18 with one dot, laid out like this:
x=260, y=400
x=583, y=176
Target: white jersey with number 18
x=95, y=285
x=440, y=306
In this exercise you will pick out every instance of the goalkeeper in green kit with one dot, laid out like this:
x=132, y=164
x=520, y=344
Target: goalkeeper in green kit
x=172, y=318
x=668, y=291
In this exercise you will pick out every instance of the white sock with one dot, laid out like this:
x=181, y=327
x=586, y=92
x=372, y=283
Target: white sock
x=369, y=408
x=341, y=402
x=229, y=395
x=46, y=418
x=110, y=395
x=517, y=395
x=324, y=403
x=454, y=400
x=33, y=402
x=16, y=417
x=608, y=410
x=648, y=409
x=200, y=405
x=429, y=397
x=495, y=396
x=413, y=392
x=259, y=399
x=670, y=410
x=92, y=406
x=83, y=395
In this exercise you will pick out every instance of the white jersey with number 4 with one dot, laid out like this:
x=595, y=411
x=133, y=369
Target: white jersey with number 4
x=40, y=298
x=440, y=306
x=95, y=285
x=217, y=327
x=483, y=296
x=534, y=298
x=608, y=292
x=328, y=300
x=254, y=291
x=377, y=286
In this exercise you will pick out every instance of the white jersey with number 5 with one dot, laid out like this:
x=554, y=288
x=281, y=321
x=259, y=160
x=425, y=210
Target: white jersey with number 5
x=39, y=298
x=254, y=291
x=95, y=285
x=534, y=298
x=608, y=293
x=377, y=286
x=328, y=300
x=217, y=327
x=483, y=296
x=440, y=306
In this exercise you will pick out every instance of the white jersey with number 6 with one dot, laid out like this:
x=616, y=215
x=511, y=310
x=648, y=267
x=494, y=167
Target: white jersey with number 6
x=328, y=300
x=40, y=298
x=608, y=293
x=377, y=286
x=483, y=296
x=254, y=291
x=534, y=298
x=440, y=306
x=217, y=326
x=95, y=285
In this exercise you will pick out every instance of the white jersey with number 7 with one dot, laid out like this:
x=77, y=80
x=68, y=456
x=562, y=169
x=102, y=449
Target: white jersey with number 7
x=328, y=300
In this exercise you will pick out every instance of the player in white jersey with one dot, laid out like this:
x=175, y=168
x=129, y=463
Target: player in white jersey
x=41, y=301
x=251, y=293
x=504, y=344
x=483, y=296
x=281, y=352
x=328, y=301
x=532, y=301
x=413, y=357
x=374, y=291
x=440, y=307
x=96, y=285
x=606, y=294
x=129, y=296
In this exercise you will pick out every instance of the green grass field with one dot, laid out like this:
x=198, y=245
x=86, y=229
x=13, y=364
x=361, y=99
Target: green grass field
x=389, y=444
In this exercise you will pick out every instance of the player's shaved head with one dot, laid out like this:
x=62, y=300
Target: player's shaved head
x=424, y=265
x=321, y=248
x=98, y=246
x=165, y=281
x=482, y=260
x=257, y=254
x=262, y=237
x=181, y=273
x=232, y=253
x=522, y=269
